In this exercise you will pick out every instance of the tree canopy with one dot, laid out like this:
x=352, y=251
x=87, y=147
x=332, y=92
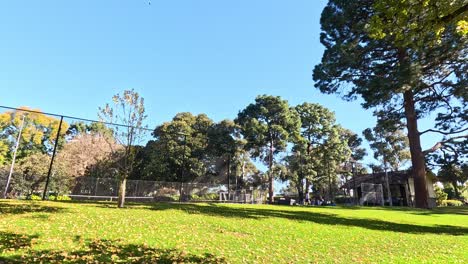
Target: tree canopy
x=393, y=77
x=38, y=135
x=415, y=23
x=318, y=150
x=390, y=147
x=127, y=110
x=267, y=126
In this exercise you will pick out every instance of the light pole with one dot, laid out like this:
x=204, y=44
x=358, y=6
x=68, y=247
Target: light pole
x=14, y=158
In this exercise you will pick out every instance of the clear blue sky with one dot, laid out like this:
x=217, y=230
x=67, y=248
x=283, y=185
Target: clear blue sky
x=201, y=56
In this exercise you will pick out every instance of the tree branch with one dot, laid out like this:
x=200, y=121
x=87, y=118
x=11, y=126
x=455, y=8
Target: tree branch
x=448, y=18
x=440, y=144
x=443, y=132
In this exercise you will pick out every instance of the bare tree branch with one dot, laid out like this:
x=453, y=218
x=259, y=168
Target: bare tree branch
x=443, y=132
x=441, y=144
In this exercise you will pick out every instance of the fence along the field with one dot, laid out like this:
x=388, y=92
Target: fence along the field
x=32, y=170
x=86, y=188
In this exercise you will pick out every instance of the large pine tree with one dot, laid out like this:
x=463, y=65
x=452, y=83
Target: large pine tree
x=401, y=80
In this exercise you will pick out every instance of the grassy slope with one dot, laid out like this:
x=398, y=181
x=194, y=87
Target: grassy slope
x=47, y=231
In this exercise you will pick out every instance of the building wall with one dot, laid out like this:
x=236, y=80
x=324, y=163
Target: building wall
x=430, y=190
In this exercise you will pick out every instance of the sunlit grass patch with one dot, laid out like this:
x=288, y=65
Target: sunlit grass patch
x=208, y=233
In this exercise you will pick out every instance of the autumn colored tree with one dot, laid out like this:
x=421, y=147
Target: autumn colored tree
x=38, y=135
x=127, y=110
x=267, y=126
x=81, y=153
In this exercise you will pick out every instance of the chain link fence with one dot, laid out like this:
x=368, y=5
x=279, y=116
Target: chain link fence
x=44, y=154
x=86, y=188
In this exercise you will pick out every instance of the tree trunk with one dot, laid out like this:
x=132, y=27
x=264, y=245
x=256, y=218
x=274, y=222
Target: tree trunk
x=455, y=189
x=417, y=155
x=122, y=190
x=300, y=193
x=270, y=176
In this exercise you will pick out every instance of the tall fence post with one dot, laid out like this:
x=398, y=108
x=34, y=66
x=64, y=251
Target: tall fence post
x=135, y=193
x=96, y=186
x=44, y=195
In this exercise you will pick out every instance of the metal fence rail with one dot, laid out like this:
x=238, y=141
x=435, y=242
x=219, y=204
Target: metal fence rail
x=87, y=188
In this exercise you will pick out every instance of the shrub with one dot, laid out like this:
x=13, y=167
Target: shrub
x=35, y=197
x=341, y=200
x=205, y=197
x=441, y=196
x=59, y=198
x=454, y=203
x=195, y=197
x=211, y=196
x=63, y=198
x=450, y=191
x=164, y=199
x=464, y=193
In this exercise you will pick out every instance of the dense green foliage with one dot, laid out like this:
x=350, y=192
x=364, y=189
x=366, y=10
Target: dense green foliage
x=268, y=125
x=401, y=82
x=441, y=196
x=192, y=148
x=454, y=175
x=318, y=152
x=417, y=23
x=47, y=232
x=389, y=146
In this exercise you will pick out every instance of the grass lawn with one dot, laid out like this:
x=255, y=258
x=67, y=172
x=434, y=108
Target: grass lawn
x=45, y=232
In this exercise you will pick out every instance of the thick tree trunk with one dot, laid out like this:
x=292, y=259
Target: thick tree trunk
x=300, y=193
x=417, y=155
x=122, y=190
x=271, y=189
x=455, y=189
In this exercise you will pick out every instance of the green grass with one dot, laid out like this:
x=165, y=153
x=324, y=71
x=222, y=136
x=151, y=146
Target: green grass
x=45, y=232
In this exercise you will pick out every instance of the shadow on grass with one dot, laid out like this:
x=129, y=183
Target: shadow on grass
x=99, y=251
x=9, y=207
x=12, y=242
x=314, y=217
x=463, y=210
